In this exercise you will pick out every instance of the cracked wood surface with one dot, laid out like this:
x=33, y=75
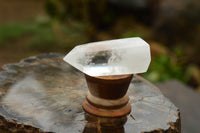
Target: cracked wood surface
x=45, y=94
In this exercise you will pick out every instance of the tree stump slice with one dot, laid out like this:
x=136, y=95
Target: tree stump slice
x=45, y=94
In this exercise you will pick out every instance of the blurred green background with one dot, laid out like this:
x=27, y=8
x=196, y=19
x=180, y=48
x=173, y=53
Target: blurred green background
x=172, y=28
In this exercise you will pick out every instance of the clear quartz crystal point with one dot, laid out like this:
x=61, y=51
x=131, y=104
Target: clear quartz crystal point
x=112, y=57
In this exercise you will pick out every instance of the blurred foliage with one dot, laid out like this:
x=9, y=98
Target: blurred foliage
x=11, y=31
x=93, y=13
x=164, y=68
x=43, y=34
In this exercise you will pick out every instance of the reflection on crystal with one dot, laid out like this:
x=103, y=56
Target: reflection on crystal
x=113, y=57
x=98, y=69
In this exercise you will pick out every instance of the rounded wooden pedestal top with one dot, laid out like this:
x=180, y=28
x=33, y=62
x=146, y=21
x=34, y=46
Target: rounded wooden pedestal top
x=45, y=94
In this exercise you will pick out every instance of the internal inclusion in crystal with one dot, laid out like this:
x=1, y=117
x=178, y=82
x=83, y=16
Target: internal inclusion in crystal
x=101, y=57
x=100, y=62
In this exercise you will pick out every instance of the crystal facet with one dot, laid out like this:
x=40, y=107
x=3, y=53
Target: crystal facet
x=113, y=57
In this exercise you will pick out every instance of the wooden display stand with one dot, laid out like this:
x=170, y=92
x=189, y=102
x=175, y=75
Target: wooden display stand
x=45, y=94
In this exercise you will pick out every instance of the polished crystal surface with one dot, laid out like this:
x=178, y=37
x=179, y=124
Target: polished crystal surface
x=113, y=57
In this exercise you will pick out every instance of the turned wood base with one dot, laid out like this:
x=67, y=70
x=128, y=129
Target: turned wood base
x=125, y=110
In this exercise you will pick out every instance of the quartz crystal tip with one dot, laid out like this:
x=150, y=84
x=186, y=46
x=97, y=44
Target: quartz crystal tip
x=112, y=57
